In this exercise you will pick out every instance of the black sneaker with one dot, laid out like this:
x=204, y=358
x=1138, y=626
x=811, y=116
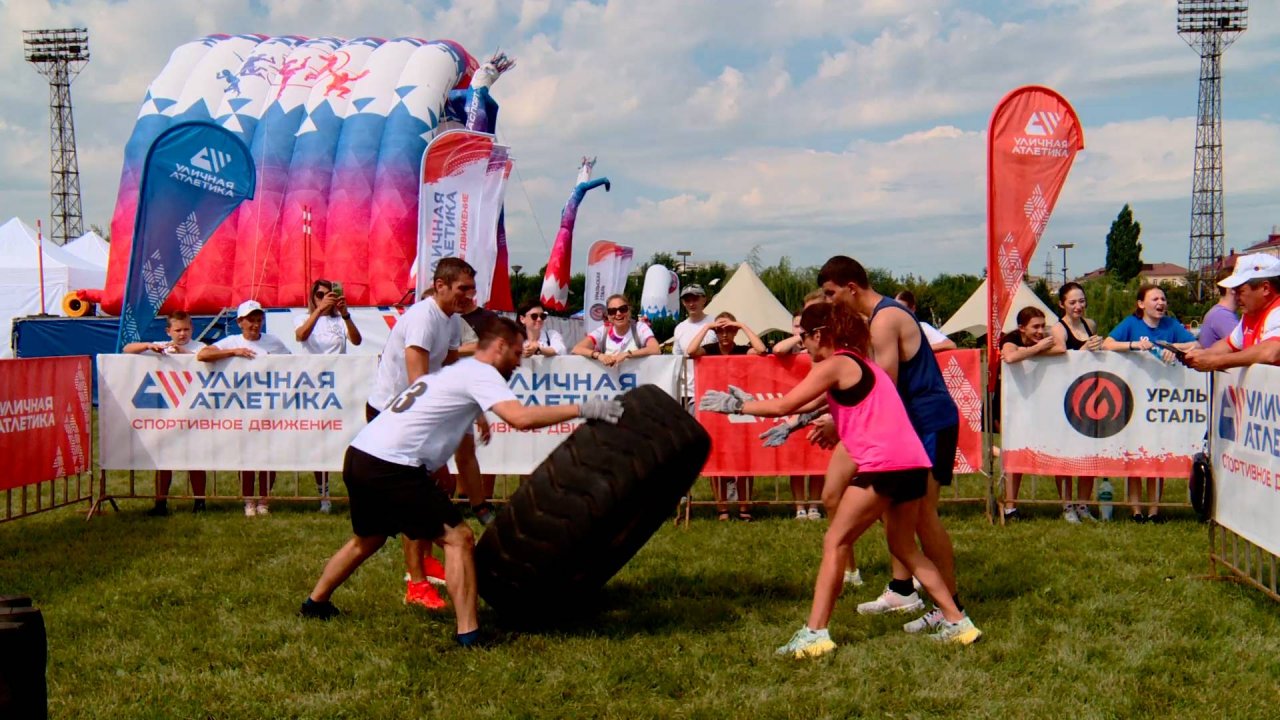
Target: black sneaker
x=318, y=610
x=198, y=507
x=1157, y=519
x=160, y=510
x=1013, y=516
x=1138, y=518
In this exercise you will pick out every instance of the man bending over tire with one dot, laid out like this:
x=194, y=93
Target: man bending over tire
x=383, y=470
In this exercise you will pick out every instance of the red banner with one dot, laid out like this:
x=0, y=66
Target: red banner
x=735, y=439
x=44, y=419
x=1032, y=140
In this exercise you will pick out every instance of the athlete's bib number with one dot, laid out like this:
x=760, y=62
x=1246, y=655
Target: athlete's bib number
x=406, y=398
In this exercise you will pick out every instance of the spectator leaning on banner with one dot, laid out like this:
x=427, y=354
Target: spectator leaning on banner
x=619, y=338
x=1256, y=338
x=1076, y=333
x=178, y=328
x=325, y=331
x=1026, y=341
x=542, y=341
x=250, y=343
x=1221, y=318
x=726, y=328
x=1148, y=325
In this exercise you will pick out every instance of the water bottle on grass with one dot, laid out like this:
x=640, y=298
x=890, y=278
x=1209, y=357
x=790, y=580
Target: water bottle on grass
x=1106, y=494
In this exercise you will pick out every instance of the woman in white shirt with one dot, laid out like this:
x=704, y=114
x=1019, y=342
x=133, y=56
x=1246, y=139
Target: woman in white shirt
x=328, y=328
x=325, y=331
x=619, y=338
x=542, y=341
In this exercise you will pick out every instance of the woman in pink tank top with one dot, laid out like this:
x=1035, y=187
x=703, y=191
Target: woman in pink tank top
x=878, y=450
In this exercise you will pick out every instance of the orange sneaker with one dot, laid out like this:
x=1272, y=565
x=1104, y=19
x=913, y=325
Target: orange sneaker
x=434, y=570
x=421, y=593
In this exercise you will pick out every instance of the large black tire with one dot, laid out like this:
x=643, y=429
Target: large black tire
x=588, y=509
x=24, y=655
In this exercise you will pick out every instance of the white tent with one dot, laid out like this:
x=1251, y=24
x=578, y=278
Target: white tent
x=91, y=248
x=20, y=277
x=751, y=303
x=972, y=316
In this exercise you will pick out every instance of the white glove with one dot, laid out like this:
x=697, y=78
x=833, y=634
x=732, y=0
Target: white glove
x=609, y=411
x=729, y=403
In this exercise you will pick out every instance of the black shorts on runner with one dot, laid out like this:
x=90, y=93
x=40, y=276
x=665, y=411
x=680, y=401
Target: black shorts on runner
x=898, y=485
x=390, y=499
x=941, y=448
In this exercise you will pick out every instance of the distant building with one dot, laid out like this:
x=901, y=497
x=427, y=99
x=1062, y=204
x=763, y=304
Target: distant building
x=1270, y=246
x=1161, y=273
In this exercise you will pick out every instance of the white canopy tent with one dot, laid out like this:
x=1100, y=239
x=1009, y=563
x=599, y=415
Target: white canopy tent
x=91, y=248
x=20, y=262
x=751, y=303
x=972, y=316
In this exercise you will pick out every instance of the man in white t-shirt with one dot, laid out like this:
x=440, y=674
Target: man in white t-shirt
x=426, y=338
x=178, y=327
x=694, y=299
x=384, y=467
x=427, y=335
x=250, y=343
x=932, y=335
x=1256, y=339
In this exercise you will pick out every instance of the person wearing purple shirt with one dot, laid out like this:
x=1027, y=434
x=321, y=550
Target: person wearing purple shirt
x=1221, y=318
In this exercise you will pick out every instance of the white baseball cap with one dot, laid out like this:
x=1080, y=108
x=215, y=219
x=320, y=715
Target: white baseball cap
x=247, y=308
x=1252, y=267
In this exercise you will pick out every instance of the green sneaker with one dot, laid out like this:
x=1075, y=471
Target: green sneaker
x=960, y=633
x=808, y=643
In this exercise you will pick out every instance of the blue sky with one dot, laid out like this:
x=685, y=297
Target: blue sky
x=804, y=127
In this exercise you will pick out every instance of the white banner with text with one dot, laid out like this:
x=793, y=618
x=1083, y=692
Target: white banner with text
x=1102, y=414
x=564, y=380
x=281, y=412
x=1244, y=443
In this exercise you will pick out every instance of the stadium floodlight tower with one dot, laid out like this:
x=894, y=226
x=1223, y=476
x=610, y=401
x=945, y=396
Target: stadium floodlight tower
x=1209, y=27
x=60, y=55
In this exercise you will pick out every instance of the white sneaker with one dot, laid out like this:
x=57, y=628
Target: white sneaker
x=928, y=621
x=853, y=577
x=249, y=510
x=814, y=513
x=890, y=601
x=1082, y=513
x=326, y=507
x=262, y=509
x=1069, y=514
x=808, y=643
x=801, y=514
x=960, y=633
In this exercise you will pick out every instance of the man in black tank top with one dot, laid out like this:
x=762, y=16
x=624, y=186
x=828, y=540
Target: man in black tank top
x=899, y=348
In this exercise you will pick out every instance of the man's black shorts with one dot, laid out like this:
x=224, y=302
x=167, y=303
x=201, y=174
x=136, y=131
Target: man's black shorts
x=390, y=499
x=898, y=485
x=941, y=448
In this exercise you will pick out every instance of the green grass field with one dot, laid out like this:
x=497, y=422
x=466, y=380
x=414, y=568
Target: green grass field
x=194, y=617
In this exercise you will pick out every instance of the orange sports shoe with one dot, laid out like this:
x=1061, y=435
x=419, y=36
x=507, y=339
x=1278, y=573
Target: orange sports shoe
x=434, y=570
x=421, y=593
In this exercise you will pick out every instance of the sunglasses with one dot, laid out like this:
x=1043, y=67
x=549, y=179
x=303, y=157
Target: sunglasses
x=619, y=310
x=536, y=316
x=806, y=334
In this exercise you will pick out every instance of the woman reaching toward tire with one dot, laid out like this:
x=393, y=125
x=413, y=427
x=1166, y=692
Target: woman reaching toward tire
x=880, y=464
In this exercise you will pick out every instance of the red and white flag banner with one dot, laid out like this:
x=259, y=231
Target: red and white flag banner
x=736, y=447
x=44, y=419
x=607, y=267
x=1032, y=140
x=454, y=219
